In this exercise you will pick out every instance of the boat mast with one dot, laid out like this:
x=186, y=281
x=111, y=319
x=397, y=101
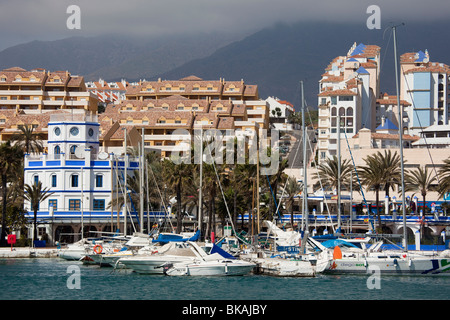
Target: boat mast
x=201, y=184
x=141, y=182
x=305, y=176
x=125, y=209
x=400, y=134
x=82, y=204
x=339, y=172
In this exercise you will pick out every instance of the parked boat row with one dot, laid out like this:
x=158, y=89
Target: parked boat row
x=286, y=257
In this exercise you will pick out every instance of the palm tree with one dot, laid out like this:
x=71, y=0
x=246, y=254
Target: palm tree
x=419, y=180
x=372, y=176
x=444, y=178
x=246, y=175
x=10, y=159
x=293, y=188
x=28, y=140
x=391, y=164
x=175, y=175
x=327, y=174
x=35, y=195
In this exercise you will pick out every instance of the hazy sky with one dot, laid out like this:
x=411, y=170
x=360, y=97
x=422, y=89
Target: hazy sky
x=25, y=20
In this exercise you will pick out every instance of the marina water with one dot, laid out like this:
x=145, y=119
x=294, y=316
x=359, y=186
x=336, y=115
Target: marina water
x=49, y=279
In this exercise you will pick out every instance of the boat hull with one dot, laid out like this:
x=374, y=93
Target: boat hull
x=389, y=266
x=211, y=269
x=72, y=254
x=284, y=267
x=151, y=264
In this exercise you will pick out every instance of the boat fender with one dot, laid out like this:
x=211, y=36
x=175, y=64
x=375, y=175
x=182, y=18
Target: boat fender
x=365, y=263
x=98, y=249
x=156, y=251
x=395, y=262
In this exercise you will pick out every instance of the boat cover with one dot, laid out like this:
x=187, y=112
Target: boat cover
x=223, y=253
x=337, y=242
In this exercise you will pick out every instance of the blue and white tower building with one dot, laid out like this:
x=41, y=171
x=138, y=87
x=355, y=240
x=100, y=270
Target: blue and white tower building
x=81, y=177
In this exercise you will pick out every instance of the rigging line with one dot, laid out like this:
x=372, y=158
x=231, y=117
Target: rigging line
x=221, y=190
x=123, y=191
x=131, y=202
x=166, y=214
x=387, y=47
x=420, y=124
x=292, y=166
x=359, y=182
x=274, y=198
x=323, y=190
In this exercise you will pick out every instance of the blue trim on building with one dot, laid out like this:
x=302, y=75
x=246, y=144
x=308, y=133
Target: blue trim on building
x=74, y=141
x=71, y=168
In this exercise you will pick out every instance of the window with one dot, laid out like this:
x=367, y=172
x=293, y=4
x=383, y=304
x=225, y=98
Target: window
x=74, y=181
x=345, y=98
x=72, y=149
x=74, y=131
x=98, y=181
x=333, y=100
x=99, y=204
x=36, y=179
x=54, y=180
x=57, y=150
x=53, y=203
x=74, y=204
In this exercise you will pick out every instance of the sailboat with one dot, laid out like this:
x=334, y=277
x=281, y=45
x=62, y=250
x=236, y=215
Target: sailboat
x=392, y=261
x=306, y=257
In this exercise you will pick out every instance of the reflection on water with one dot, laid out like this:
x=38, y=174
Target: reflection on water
x=31, y=279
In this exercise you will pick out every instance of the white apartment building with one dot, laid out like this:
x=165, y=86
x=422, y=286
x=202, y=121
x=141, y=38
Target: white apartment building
x=425, y=85
x=348, y=89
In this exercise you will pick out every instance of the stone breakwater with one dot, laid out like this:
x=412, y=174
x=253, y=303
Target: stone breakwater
x=22, y=252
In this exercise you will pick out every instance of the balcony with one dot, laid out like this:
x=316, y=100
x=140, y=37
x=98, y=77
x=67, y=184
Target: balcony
x=21, y=92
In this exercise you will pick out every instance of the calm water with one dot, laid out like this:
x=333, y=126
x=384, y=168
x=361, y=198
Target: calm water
x=46, y=279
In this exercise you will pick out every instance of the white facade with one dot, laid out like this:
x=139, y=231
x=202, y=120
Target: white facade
x=425, y=85
x=279, y=111
x=82, y=179
x=348, y=89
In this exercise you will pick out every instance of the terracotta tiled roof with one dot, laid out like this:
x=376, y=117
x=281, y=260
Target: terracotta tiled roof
x=189, y=85
x=408, y=57
x=387, y=99
x=342, y=92
x=332, y=78
x=386, y=136
x=433, y=67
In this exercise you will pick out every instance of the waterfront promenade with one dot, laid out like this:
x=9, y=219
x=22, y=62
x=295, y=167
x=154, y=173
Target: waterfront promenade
x=28, y=252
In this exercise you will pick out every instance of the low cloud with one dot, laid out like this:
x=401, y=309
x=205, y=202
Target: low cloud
x=23, y=20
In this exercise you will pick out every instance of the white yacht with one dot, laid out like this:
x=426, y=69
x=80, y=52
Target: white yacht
x=170, y=253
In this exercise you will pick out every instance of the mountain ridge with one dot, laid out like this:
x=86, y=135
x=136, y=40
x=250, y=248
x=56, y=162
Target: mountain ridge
x=275, y=58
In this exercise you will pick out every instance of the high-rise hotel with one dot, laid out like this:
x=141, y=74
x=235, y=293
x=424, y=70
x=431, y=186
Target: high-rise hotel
x=348, y=89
